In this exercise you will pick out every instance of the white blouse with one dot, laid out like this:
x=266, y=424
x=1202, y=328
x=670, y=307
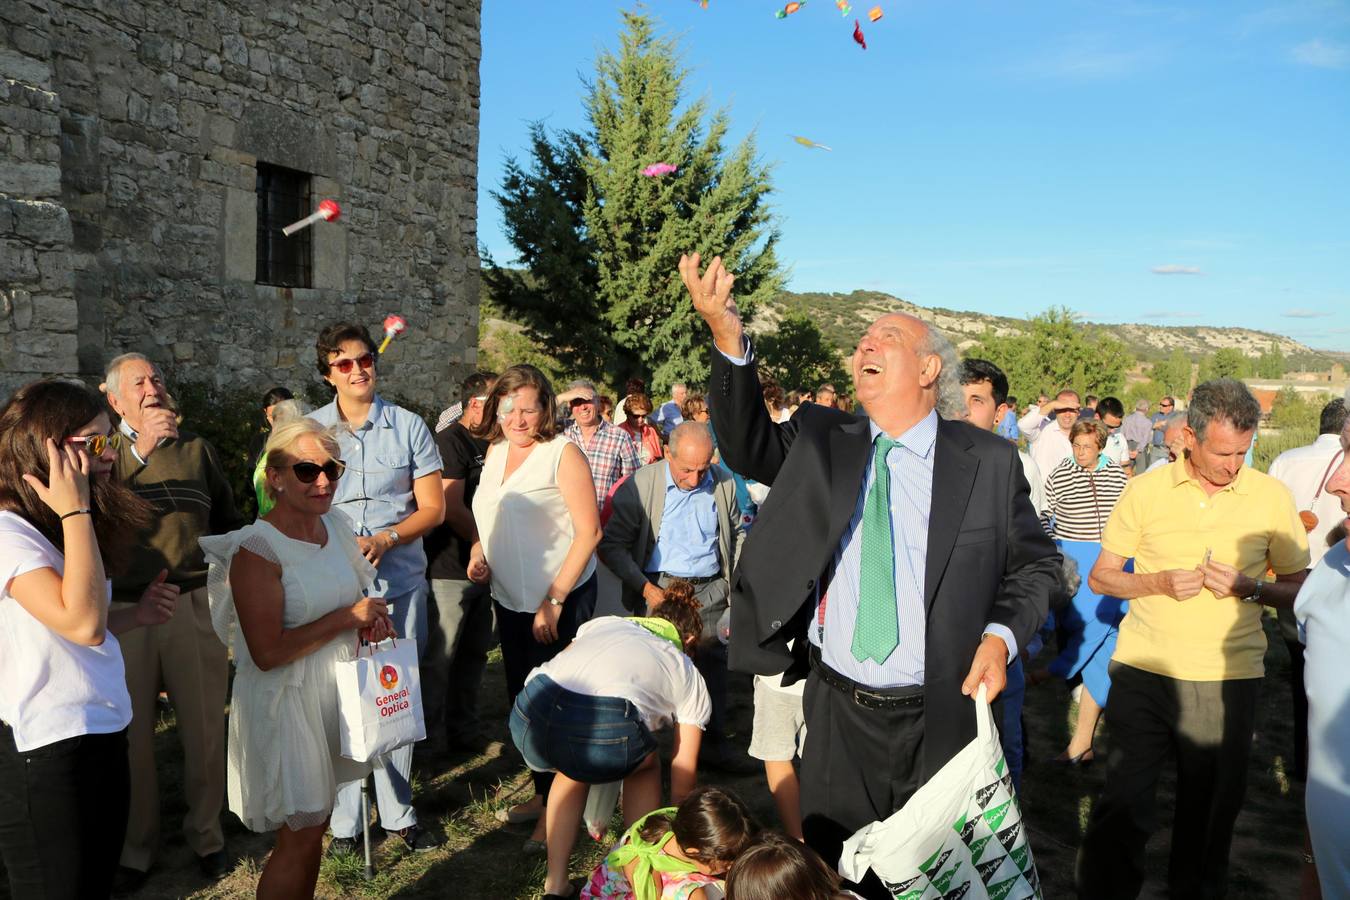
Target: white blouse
x=524, y=524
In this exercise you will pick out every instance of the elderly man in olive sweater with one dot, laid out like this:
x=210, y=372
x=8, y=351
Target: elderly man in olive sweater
x=180, y=473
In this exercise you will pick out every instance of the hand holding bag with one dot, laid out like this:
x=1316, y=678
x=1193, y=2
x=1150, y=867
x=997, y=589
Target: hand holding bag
x=959, y=836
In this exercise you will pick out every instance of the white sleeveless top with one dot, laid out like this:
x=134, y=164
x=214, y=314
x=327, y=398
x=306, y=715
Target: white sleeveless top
x=524, y=524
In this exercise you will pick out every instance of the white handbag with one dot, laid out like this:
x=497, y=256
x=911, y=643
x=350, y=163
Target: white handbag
x=379, y=700
x=959, y=836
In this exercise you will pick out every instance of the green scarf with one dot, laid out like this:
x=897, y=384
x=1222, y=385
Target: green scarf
x=650, y=857
x=660, y=628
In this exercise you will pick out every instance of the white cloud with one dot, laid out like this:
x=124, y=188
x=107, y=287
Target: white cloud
x=1304, y=314
x=1322, y=54
x=1176, y=269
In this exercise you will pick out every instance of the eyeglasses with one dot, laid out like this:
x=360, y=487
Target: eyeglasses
x=365, y=361
x=1165, y=405
x=1088, y=447
x=580, y=401
x=94, y=444
x=308, y=472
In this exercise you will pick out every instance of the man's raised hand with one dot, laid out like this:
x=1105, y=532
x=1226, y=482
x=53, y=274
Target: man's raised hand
x=711, y=295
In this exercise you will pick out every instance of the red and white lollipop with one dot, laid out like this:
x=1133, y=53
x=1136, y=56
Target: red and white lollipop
x=393, y=325
x=328, y=211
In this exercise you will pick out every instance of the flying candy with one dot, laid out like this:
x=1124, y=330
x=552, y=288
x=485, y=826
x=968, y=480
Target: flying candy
x=844, y=8
x=789, y=9
x=858, y=35
x=874, y=13
x=807, y=142
x=328, y=211
x=658, y=169
x=393, y=325
x=703, y=3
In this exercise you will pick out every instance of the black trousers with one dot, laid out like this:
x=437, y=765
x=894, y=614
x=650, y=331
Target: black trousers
x=859, y=766
x=521, y=652
x=1208, y=726
x=63, y=815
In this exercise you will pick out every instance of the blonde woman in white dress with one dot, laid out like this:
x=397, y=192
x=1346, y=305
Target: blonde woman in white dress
x=293, y=584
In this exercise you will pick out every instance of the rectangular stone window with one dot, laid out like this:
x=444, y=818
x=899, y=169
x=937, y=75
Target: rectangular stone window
x=284, y=196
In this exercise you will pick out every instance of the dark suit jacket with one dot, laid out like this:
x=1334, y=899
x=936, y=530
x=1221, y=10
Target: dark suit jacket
x=630, y=537
x=988, y=559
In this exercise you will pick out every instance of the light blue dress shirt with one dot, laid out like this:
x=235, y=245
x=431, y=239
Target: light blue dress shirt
x=687, y=543
x=391, y=450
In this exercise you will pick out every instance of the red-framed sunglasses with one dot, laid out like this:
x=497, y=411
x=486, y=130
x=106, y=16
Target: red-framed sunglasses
x=365, y=361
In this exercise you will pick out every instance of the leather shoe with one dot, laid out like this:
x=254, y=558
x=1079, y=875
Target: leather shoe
x=214, y=865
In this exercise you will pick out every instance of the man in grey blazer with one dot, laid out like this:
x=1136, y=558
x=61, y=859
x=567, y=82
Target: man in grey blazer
x=677, y=518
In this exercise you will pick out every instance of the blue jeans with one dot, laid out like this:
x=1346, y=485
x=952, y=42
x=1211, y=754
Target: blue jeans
x=593, y=740
x=1014, y=696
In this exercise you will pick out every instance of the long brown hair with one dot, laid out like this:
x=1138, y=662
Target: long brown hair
x=680, y=608
x=55, y=408
x=775, y=866
x=514, y=378
x=711, y=821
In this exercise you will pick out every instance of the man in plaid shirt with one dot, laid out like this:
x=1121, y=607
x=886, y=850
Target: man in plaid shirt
x=611, y=452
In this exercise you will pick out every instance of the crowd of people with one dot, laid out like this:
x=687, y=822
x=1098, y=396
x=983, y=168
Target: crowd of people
x=873, y=569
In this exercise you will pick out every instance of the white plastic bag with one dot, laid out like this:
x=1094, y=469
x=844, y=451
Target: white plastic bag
x=379, y=700
x=601, y=801
x=960, y=835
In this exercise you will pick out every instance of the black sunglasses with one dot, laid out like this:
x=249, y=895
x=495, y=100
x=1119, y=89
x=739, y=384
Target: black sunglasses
x=308, y=472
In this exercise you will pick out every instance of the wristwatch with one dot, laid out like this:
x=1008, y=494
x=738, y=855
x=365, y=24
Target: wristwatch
x=393, y=536
x=554, y=601
x=1255, y=595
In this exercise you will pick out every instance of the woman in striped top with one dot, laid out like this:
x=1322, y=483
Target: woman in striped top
x=1080, y=494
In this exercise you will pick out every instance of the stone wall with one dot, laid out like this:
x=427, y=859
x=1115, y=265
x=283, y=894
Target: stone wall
x=130, y=131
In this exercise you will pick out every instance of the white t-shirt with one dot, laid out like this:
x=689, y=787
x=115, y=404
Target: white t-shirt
x=1117, y=449
x=613, y=657
x=51, y=689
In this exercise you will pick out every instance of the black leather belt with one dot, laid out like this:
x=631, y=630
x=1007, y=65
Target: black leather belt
x=867, y=697
x=692, y=579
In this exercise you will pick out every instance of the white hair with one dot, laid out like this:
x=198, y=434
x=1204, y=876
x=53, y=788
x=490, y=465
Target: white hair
x=951, y=402
x=112, y=379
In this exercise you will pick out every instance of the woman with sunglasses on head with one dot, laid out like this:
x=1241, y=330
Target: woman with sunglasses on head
x=538, y=527
x=294, y=582
x=64, y=706
x=392, y=496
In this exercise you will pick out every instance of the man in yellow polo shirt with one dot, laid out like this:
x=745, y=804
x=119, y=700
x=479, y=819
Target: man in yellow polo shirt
x=1188, y=664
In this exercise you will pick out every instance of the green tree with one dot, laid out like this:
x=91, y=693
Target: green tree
x=1056, y=352
x=1272, y=363
x=1226, y=362
x=1292, y=411
x=797, y=355
x=601, y=241
x=1172, y=375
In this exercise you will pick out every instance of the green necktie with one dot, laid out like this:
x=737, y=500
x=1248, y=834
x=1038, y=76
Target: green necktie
x=877, y=630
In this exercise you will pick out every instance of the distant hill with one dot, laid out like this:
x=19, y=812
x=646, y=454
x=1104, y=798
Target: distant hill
x=843, y=317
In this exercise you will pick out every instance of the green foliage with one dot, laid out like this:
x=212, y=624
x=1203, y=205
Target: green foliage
x=1293, y=411
x=1272, y=363
x=1270, y=445
x=1171, y=375
x=601, y=241
x=797, y=355
x=1057, y=352
x=228, y=419
x=501, y=347
x=1226, y=362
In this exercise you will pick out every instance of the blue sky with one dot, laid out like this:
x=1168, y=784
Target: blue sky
x=1174, y=164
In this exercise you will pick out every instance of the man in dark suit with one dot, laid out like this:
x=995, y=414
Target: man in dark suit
x=900, y=552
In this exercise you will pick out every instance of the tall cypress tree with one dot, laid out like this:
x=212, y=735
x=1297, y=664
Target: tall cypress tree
x=633, y=228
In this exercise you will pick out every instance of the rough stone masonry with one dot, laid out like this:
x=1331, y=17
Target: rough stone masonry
x=130, y=134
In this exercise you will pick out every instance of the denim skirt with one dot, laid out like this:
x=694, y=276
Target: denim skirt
x=589, y=739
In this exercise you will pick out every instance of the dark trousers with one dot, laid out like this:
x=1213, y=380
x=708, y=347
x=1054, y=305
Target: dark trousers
x=710, y=658
x=459, y=637
x=859, y=765
x=521, y=652
x=1289, y=631
x=63, y=815
x=1208, y=726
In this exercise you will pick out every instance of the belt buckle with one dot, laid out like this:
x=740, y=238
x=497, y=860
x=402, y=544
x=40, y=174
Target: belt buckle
x=868, y=699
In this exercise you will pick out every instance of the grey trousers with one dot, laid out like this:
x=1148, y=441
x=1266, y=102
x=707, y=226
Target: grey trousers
x=710, y=657
x=459, y=636
x=1208, y=726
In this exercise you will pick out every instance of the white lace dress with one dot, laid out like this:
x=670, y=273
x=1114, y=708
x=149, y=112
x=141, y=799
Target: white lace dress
x=283, y=762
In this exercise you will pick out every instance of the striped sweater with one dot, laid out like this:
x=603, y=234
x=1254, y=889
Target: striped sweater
x=1078, y=501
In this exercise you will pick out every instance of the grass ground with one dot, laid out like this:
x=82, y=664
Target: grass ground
x=482, y=858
